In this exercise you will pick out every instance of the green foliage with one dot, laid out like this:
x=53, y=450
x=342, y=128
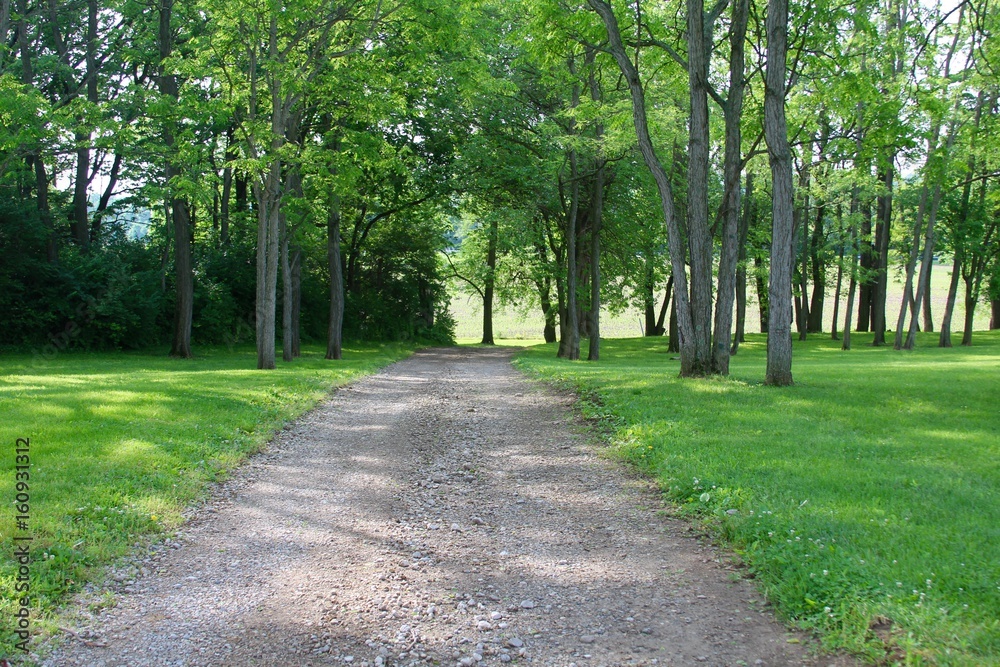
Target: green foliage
x=122, y=443
x=864, y=497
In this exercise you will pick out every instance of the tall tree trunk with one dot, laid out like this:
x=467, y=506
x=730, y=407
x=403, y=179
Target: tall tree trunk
x=596, y=223
x=81, y=218
x=334, y=337
x=663, y=309
x=268, y=195
x=286, y=291
x=685, y=325
x=490, y=282
x=34, y=160
x=883, y=237
x=817, y=242
x=800, y=217
x=779, y=337
x=867, y=266
x=944, y=339
x=674, y=337
x=240, y=186
x=227, y=187
x=994, y=314
x=180, y=213
x=911, y=264
x=741, y=270
x=648, y=293
x=851, y=291
x=971, y=300
x=732, y=162
x=296, y=301
x=928, y=316
x=548, y=310
x=102, y=204
x=763, y=312
x=699, y=236
x=840, y=275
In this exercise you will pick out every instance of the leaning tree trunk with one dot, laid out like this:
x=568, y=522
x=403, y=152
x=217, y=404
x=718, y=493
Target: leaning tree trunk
x=685, y=325
x=779, y=337
x=944, y=338
x=971, y=297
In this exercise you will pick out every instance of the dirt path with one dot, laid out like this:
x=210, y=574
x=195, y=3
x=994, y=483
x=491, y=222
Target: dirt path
x=445, y=511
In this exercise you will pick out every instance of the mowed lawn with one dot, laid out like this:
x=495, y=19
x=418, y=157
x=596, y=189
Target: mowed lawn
x=865, y=500
x=121, y=443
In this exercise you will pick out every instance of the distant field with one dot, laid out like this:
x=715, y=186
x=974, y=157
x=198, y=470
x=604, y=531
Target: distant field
x=513, y=324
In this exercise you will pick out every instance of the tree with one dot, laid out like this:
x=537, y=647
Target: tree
x=779, y=335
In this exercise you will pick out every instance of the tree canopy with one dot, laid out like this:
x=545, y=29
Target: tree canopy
x=199, y=172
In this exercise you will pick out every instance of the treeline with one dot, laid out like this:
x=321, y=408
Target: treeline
x=319, y=169
x=645, y=129
x=295, y=163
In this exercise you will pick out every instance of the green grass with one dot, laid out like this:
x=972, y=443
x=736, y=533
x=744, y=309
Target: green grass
x=121, y=443
x=865, y=499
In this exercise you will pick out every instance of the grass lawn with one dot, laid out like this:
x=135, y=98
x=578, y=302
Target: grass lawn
x=121, y=443
x=865, y=500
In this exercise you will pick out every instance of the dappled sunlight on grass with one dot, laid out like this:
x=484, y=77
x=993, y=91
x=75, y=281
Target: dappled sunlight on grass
x=879, y=468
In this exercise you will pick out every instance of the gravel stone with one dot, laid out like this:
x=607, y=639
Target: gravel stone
x=327, y=548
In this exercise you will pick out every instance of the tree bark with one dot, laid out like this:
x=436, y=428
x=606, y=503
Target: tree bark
x=994, y=314
x=81, y=218
x=334, y=337
x=596, y=223
x=732, y=163
x=840, y=275
x=971, y=301
x=779, y=337
x=763, y=312
x=685, y=325
x=818, y=240
x=851, y=291
x=286, y=291
x=944, y=339
x=180, y=212
x=490, y=282
x=663, y=309
x=296, y=301
x=227, y=188
x=700, y=247
x=741, y=268
x=883, y=229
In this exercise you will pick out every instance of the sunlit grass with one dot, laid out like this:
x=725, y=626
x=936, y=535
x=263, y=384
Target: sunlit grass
x=122, y=443
x=869, y=491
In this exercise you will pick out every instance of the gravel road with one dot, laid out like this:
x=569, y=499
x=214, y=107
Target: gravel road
x=444, y=511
